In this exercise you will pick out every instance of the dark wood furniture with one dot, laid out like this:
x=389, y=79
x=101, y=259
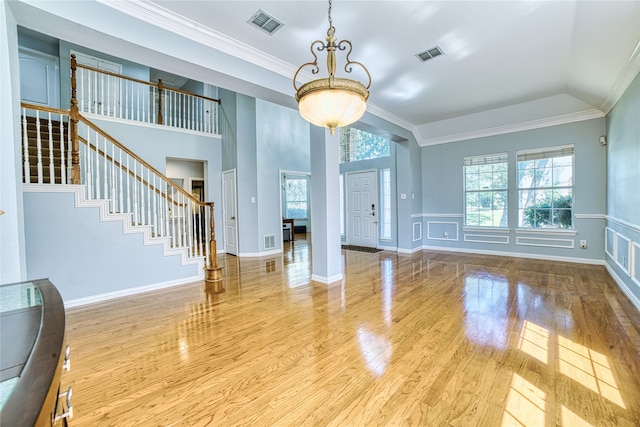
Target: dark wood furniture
x=31, y=341
x=289, y=221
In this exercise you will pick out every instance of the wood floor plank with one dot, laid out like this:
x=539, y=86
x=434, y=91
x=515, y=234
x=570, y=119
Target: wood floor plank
x=429, y=339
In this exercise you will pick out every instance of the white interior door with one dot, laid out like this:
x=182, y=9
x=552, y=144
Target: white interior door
x=99, y=93
x=229, y=209
x=362, y=204
x=39, y=78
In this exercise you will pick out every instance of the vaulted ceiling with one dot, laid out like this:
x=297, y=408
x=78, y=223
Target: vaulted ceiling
x=507, y=65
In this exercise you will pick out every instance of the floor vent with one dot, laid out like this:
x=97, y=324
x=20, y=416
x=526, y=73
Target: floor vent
x=430, y=54
x=269, y=241
x=265, y=22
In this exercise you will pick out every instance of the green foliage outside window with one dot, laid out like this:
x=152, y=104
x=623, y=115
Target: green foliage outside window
x=550, y=213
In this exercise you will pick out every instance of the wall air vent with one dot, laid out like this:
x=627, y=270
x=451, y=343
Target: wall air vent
x=269, y=241
x=265, y=22
x=430, y=54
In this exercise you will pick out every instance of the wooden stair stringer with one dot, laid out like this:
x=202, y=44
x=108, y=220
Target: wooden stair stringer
x=81, y=201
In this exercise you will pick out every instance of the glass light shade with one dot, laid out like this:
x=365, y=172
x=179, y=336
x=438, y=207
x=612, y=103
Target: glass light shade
x=332, y=107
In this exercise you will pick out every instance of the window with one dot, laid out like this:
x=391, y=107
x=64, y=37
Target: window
x=342, y=233
x=385, y=205
x=486, y=182
x=545, y=188
x=296, y=196
x=356, y=145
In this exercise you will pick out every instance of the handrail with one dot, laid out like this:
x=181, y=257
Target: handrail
x=107, y=177
x=114, y=95
x=133, y=79
x=114, y=141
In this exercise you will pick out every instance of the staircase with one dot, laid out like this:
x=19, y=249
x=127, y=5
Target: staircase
x=124, y=187
x=45, y=149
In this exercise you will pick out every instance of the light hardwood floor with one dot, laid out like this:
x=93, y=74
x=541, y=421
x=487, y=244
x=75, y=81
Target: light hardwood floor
x=430, y=339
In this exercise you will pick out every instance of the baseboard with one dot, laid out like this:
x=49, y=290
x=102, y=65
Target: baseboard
x=94, y=299
x=518, y=255
x=259, y=254
x=409, y=251
x=623, y=286
x=327, y=280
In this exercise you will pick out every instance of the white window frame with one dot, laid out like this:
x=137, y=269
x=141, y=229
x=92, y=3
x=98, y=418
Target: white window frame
x=487, y=159
x=293, y=176
x=546, y=153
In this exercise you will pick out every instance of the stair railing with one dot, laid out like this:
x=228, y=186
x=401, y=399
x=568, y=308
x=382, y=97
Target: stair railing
x=114, y=95
x=75, y=150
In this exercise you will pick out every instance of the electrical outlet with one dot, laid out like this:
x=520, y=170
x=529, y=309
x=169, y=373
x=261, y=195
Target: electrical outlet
x=583, y=244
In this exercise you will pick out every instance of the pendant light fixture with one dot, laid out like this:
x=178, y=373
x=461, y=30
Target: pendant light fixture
x=332, y=101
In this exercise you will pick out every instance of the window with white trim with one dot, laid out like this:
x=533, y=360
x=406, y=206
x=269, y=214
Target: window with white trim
x=545, y=188
x=296, y=196
x=385, y=205
x=342, y=233
x=486, y=182
x=356, y=145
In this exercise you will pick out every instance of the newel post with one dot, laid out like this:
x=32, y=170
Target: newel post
x=73, y=126
x=159, y=101
x=212, y=273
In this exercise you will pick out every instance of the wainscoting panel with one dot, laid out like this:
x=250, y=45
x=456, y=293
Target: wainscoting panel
x=623, y=252
x=635, y=263
x=549, y=242
x=610, y=242
x=417, y=231
x=487, y=238
x=442, y=230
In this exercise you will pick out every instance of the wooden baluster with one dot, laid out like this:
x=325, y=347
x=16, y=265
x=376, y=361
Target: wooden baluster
x=88, y=166
x=63, y=166
x=141, y=196
x=73, y=127
x=39, y=146
x=121, y=82
x=138, y=102
x=52, y=169
x=171, y=109
x=25, y=146
x=102, y=99
x=135, y=192
x=166, y=208
x=114, y=195
x=128, y=172
x=105, y=183
x=174, y=215
x=155, y=206
x=159, y=101
x=121, y=190
x=126, y=98
x=148, y=190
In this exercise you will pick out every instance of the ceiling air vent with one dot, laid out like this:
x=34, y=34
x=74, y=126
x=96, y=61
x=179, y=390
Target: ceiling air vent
x=430, y=54
x=265, y=22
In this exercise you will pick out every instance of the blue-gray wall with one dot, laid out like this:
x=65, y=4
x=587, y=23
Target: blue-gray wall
x=282, y=143
x=623, y=191
x=85, y=257
x=443, y=195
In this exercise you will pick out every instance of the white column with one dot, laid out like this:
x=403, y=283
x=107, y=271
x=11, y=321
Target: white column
x=13, y=266
x=326, y=258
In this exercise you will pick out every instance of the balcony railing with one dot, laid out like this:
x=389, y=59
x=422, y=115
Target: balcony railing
x=113, y=95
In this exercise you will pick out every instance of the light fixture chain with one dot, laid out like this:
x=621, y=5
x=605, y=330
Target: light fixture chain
x=330, y=20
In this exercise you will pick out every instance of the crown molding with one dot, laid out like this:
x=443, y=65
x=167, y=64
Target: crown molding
x=161, y=17
x=629, y=72
x=516, y=127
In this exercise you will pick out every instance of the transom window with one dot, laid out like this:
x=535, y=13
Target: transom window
x=486, y=182
x=545, y=188
x=356, y=145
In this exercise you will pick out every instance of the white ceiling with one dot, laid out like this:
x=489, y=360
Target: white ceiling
x=508, y=65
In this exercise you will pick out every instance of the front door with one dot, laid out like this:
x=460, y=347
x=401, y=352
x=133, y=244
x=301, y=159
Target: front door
x=362, y=204
x=230, y=212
